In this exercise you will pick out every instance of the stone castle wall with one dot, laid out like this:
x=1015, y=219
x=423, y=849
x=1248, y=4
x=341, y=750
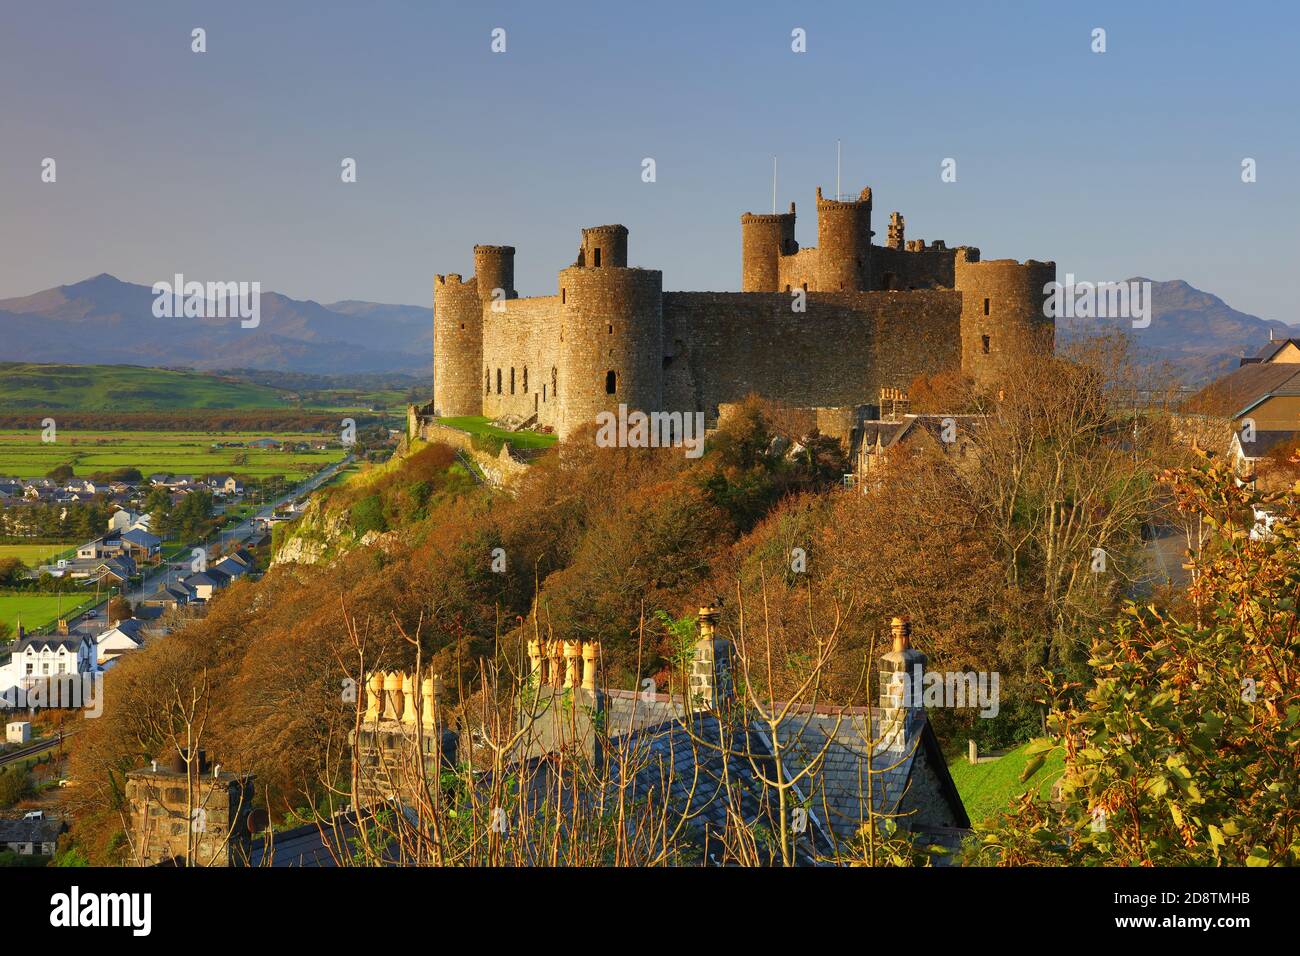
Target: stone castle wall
x=521, y=359
x=875, y=316
x=841, y=351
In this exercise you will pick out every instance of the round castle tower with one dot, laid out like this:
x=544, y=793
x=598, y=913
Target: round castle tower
x=457, y=346
x=844, y=243
x=611, y=350
x=494, y=268
x=764, y=238
x=1002, y=312
x=458, y=306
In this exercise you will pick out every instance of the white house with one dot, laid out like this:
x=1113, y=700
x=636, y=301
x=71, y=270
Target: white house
x=122, y=520
x=18, y=732
x=35, y=659
x=117, y=640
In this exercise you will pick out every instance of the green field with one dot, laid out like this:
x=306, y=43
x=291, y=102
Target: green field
x=988, y=787
x=483, y=427
x=126, y=388
x=35, y=554
x=22, y=453
x=40, y=610
x=131, y=389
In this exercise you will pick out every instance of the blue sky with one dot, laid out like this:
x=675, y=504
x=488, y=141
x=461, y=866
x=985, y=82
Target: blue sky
x=225, y=165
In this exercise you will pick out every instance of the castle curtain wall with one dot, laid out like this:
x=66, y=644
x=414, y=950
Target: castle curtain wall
x=723, y=346
x=523, y=336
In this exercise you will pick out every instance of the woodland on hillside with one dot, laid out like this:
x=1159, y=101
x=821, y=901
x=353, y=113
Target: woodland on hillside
x=993, y=555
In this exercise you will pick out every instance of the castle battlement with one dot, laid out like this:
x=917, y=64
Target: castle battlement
x=824, y=326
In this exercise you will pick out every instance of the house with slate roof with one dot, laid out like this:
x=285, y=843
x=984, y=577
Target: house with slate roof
x=704, y=760
x=1261, y=399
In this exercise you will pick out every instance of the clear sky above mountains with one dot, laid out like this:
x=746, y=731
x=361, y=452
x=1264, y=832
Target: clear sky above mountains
x=226, y=165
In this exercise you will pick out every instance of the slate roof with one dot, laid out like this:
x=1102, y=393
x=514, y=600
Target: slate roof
x=230, y=567
x=142, y=538
x=1243, y=388
x=825, y=752
x=713, y=777
x=30, y=831
x=52, y=642
x=1270, y=349
x=131, y=627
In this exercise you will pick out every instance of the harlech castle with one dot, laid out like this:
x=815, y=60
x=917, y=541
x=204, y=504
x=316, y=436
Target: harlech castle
x=831, y=328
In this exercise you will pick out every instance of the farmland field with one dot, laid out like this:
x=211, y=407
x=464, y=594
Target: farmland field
x=36, y=554
x=126, y=388
x=23, y=454
x=40, y=610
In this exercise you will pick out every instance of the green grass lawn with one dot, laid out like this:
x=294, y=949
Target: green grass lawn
x=22, y=453
x=479, y=425
x=41, y=609
x=126, y=388
x=33, y=555
x=988, y=787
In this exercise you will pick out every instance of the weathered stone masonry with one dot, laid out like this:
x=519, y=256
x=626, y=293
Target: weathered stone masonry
x=875, y=316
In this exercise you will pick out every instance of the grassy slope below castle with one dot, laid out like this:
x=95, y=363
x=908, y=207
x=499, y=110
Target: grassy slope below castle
x=988, y=787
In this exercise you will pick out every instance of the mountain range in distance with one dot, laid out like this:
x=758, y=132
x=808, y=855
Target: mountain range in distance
x=105, y=321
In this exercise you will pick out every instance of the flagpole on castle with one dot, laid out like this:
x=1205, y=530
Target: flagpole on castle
x=774, y=185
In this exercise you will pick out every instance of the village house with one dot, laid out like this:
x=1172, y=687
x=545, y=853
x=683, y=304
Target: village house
x=31, y=836
x=141, y=546
x=1261, y=399
x=34, y=658
x=701, y=760
x=120, y=638
x=122, y=519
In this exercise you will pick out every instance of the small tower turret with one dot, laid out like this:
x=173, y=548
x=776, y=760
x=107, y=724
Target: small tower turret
x=764, y=239
x=844, y=243
x=603, y=247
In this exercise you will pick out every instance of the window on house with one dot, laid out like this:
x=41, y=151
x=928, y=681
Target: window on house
x=512, y=381
x=610, y=328
x=525, y=379
x=555, y=387
x=563, y=295
x=611, y=382
x=596, y=258
x=498, y=381
x=487, y=381
x=986, y=306
x=462, y=326
x=984, y=342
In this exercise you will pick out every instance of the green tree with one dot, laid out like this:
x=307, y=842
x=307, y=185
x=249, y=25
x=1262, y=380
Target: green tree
x=1186, y=750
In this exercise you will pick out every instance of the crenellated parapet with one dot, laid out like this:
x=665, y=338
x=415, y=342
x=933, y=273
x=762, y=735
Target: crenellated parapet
x=875, y=316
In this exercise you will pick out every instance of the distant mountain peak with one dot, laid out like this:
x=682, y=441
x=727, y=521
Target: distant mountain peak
x=103, y=320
